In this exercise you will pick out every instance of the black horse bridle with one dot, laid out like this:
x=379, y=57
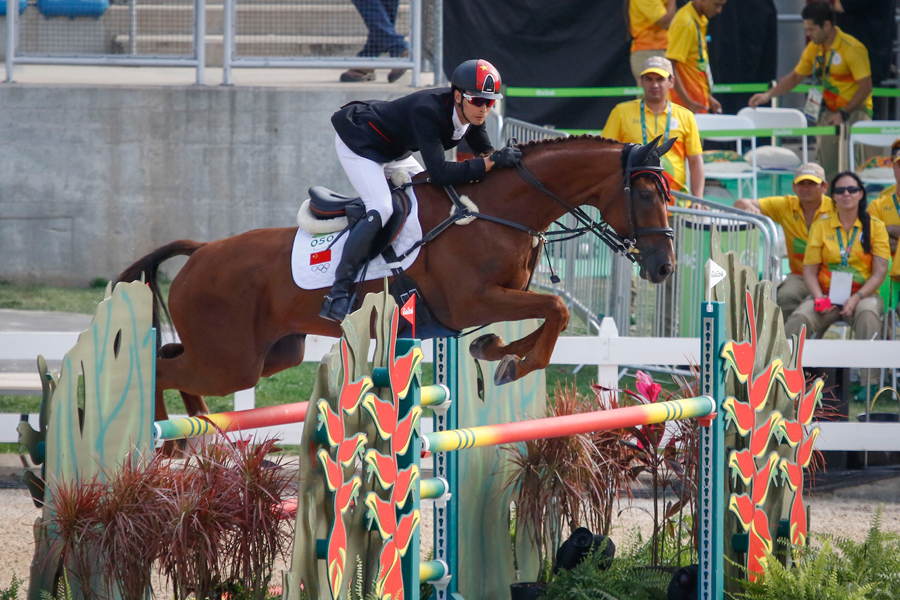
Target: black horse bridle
x=627, y=247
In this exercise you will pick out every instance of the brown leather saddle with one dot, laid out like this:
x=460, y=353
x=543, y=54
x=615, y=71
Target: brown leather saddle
x=326, y=204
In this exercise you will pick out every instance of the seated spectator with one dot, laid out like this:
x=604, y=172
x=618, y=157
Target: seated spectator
x=886, y=206
x=846, y=261
x=795, y=213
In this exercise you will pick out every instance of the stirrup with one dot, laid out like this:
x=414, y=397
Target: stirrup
x=334, y=310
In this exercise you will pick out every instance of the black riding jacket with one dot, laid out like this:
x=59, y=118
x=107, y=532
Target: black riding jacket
x=388, y=131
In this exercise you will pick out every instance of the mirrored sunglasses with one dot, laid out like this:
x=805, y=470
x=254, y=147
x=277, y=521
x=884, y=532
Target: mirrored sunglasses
x=478, y=101
x=852, y=189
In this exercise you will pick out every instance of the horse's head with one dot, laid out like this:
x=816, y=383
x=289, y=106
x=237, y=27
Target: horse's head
x=647, y=196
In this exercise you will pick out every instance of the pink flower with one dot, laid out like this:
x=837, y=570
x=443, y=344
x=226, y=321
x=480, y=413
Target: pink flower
x=646, y=387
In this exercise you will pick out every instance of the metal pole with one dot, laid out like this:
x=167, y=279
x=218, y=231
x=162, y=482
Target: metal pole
x=416, y=38
x=227, y=41
x=438, y=51
x=200, y=38
x=132, y=31
x=12, y=12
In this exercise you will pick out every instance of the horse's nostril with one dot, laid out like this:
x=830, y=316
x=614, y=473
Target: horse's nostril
x=665, y=270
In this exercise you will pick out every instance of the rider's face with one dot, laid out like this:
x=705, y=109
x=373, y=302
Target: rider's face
x=473, y=114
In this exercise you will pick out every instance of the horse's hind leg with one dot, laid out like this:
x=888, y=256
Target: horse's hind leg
x=491, y=346
x=193, y=404
x=284, y=354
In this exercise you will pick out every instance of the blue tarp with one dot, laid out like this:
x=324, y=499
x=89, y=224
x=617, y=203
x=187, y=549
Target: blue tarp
x=72, y=8
x=22, y=5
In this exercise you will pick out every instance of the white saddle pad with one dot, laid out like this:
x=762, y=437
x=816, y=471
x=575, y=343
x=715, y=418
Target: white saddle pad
x=313, y=265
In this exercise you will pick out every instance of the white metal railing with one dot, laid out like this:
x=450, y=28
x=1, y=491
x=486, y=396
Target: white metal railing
x=233, y=58
x=32, y=38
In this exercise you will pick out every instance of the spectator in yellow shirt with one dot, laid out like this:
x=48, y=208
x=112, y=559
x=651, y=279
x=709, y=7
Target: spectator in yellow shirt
x=688, y=52
x=887, y=206
x=648, y=22
x=853, y=245
x=838, y=63
x=796, y=214
x=640, y=121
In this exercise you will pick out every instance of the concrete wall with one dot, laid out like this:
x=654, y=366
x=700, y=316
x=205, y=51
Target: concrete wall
x=93, y=178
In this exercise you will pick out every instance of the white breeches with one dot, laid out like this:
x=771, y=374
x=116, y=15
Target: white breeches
x=369, y=177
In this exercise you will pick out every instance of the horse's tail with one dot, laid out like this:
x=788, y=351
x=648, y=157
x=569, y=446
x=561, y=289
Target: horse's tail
x=148, y=267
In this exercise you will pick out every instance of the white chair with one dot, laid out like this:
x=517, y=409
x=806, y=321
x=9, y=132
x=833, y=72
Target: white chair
x=732, y=125
x=777, y=118
x=890, y=133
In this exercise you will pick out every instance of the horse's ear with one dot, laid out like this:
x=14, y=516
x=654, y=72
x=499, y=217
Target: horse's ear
x=666, y=147
x=642, y=153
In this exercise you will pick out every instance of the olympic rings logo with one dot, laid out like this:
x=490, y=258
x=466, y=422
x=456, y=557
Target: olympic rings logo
x=322, y=268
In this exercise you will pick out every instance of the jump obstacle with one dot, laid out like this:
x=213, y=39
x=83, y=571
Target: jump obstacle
x=393, y=459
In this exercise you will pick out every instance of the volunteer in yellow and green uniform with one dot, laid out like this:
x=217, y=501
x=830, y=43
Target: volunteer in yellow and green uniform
x=648, y=22
x=796, y=214
x=887, y=205
x=839, y=66
x=846, y=261
x=644, y=119
x=688, y=52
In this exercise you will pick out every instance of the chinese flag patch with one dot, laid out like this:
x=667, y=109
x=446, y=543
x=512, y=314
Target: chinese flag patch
x=320, y=257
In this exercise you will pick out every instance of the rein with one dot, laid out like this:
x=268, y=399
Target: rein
x=627, y=247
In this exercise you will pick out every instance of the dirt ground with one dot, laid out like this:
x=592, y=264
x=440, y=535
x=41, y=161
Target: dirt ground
x=848, y=518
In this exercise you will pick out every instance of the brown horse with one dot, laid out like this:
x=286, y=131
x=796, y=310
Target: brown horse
x=240, y=316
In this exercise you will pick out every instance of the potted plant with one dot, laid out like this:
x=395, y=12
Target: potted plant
x=560, y=484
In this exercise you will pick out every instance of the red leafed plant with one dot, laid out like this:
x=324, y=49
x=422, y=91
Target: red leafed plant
x=212, y=524
x=671, y=461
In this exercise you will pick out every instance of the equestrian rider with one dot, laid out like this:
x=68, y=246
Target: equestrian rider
x=376, y=138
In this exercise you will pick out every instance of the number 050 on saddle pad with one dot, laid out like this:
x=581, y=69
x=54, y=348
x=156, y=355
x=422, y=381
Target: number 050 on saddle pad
x=315, y=256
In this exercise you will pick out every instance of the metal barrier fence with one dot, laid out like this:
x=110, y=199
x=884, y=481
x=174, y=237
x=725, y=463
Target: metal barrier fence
x=100, y=32
x=308, y=33
x=528, y=132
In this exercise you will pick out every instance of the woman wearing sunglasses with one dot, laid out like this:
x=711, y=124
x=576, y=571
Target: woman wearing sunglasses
x=377, y=138
x=845, y=263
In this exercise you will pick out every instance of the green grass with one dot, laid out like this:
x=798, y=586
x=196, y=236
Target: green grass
x=41, y=297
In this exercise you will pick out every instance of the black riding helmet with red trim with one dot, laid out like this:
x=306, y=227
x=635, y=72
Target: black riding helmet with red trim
x=477, y=77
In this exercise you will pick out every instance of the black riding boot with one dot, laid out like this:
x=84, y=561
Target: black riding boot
x=356, y=250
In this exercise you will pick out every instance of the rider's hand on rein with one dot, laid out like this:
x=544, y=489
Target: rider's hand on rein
x=506, y=157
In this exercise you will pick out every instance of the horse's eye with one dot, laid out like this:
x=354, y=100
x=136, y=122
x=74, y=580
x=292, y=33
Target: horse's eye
x=647, y=195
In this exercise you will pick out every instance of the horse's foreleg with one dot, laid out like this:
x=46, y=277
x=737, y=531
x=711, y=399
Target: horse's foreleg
x=502, y=304
x=491, y=346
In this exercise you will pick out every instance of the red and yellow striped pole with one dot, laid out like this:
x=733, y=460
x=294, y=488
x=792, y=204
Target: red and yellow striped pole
x=511, y=433
x=176, y=429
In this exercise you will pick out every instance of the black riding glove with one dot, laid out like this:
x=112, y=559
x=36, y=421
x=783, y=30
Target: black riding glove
x=506, y=157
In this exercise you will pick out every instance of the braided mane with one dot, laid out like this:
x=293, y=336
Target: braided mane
x=544, y=143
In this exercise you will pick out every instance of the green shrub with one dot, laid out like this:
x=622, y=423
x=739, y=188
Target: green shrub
x=12, y=592
x=838, y=569
x=628, y=578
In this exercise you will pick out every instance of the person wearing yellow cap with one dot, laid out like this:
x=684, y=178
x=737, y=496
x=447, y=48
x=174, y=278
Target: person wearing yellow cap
x=846, y=262
x=887, y=206
x=648, y=22
x=795, y=213
x=688, y=52
x=644, y=119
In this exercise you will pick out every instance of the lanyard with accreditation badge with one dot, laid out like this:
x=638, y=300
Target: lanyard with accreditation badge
x=668, y=121
x=845, y=255
x=702, y=63
x=815, y=97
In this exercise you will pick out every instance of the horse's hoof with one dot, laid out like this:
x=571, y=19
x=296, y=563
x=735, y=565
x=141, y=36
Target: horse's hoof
x=478, y=345
x=506, y=370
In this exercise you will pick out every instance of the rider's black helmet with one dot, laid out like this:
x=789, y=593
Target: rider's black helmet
x=479, y=78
